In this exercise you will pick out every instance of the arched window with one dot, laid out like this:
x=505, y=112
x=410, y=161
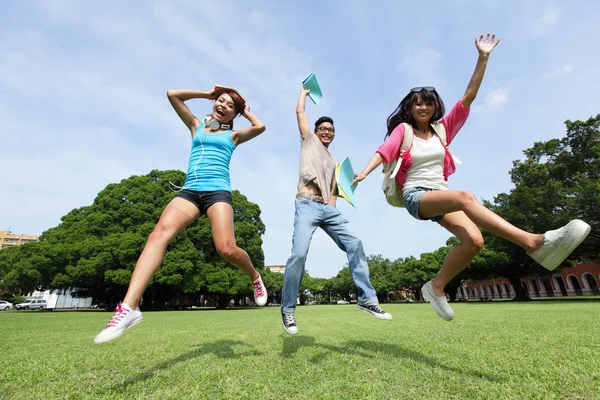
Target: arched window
x=591, y=282
x=498, y=291
x=574, y=282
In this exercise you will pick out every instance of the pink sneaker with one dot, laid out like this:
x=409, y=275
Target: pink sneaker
x=123, y=319
x=260, y=292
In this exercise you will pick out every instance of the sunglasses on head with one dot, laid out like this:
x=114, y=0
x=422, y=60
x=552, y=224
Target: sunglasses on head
x=421, y=88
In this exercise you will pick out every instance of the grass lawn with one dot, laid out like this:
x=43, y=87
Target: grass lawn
x=541, y=350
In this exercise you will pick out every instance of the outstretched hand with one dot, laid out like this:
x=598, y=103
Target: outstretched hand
x=358, y=178
x=305, y=92
x=485, y=46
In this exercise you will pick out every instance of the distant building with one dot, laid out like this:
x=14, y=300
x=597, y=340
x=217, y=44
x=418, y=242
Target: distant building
x=9, y=239
x=276, y=268
x=580, y=280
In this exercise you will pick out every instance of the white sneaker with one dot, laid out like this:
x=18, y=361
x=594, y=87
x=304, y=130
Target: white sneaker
x=439, y=303
x=260, y=292
x=560, y=243
x=123, y=319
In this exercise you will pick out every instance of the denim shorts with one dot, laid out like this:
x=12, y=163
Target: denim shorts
x=412, y=196
x=203, y=200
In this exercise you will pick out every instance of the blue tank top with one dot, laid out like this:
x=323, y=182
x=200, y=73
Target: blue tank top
x=208, y=170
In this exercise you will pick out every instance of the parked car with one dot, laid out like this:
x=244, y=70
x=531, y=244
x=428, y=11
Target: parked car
x=5, y=305
x=105, y=306
x=31, y=305
x=343, y=302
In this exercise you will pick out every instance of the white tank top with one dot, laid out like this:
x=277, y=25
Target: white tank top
x=427, y=167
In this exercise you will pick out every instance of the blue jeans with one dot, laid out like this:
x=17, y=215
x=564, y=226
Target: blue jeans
x=311, y=215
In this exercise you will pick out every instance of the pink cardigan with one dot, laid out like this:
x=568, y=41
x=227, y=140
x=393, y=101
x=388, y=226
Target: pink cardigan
x=390, y=149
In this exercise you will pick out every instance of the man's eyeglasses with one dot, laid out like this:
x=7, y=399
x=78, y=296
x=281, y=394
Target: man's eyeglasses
x=421, y=88
x=325, y=129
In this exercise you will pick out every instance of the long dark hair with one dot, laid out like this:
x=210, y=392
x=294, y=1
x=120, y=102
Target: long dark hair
x=403, y=113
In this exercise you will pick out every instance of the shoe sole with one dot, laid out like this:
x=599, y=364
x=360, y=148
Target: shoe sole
x=116, y=334
x=258, y=304
x=431, y=296
x=566, y=245
x=378, y=316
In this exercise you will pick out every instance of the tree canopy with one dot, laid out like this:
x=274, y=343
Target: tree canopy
x=96, y=247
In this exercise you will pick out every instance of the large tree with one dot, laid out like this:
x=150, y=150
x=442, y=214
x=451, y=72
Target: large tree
x=412, y=273
x=274, y=283
x=559, y=180
x=343, y=285
x=381, y=274
x=95, y=247
x=18, y=270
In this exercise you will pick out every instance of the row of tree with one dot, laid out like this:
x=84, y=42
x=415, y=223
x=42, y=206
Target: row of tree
x=95, y=247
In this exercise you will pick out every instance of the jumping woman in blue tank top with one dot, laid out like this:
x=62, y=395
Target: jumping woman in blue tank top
x=206, y=191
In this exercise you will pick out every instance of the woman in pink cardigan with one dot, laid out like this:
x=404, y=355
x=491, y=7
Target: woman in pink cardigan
x=423, y=176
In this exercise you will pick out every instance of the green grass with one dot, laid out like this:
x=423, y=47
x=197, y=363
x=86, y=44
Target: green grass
x=544, y=350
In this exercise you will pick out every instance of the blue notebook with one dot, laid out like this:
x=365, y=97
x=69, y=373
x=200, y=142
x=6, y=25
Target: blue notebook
x=312, y=84
x=344, y=175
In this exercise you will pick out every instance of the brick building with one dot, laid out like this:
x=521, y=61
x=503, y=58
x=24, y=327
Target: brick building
x=579, y=280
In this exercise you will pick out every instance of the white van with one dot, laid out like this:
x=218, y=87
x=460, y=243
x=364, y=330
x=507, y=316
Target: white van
x=31, y=305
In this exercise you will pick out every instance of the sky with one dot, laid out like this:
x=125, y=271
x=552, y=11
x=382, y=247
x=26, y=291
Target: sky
x=83, y=98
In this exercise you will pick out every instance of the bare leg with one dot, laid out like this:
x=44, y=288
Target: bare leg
x=178, y=214
x=220, y=216
x=449, y=201
x=461, y=255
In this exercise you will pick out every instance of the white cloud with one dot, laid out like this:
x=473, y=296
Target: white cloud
x=546, y=22
x=490, y=100
x=559, y=71
x=495, y=98
x=422, y=66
